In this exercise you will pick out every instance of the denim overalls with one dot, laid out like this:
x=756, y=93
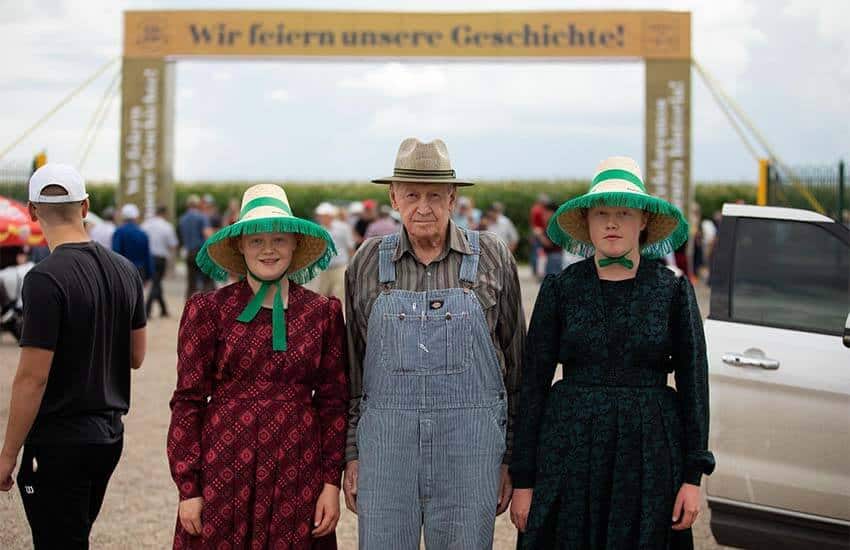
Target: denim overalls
x=431, y=434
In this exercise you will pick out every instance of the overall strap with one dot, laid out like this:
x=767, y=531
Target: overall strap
x=469, y=264
x=386, y=251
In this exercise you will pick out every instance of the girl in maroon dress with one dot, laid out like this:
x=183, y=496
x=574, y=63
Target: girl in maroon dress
x=258, y=421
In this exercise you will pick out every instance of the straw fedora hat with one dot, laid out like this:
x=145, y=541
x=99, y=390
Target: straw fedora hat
x=618, y=182
x=418, y=162
x=265, y=209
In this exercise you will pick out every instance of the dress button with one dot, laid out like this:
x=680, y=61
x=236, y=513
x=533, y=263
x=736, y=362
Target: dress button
x=448, y=316
x=402, y=316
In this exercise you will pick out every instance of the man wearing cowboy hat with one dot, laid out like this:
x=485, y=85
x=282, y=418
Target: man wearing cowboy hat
x=436, y=332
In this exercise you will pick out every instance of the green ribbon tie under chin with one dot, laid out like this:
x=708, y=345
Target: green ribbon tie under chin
x=622, y=260
x=278, y=314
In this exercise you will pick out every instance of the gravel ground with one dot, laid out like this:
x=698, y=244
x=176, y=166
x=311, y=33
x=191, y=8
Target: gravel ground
x=140, y=506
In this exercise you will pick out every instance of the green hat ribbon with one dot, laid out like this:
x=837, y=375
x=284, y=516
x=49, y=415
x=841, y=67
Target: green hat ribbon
x=617, y=174
x=622, y=260
x=265, y=201
x=278, y=315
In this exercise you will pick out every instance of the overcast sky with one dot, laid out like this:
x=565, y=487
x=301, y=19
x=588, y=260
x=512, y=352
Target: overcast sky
x=785, y=62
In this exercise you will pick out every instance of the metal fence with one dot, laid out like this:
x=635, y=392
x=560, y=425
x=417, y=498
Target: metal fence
x=819, y=188
x=13, y=180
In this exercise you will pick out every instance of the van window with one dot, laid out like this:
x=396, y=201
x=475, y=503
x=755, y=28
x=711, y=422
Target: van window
x=791, y=275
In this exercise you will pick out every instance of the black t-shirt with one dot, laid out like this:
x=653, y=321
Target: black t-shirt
x=82, y=302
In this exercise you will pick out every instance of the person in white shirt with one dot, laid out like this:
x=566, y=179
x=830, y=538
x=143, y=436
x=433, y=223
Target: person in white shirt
x=501, y=225
x=331, y=282
x=11, y=304
x=101, y=233
x=163, y=243
x=709, y=234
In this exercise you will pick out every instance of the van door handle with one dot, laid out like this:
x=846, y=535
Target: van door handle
x=750, y=358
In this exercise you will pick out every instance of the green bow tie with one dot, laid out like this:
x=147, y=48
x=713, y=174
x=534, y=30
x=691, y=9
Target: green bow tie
x=278, y=316
x=622, y=260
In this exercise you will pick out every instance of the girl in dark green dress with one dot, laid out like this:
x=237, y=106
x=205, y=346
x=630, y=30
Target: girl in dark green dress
x=610, y=456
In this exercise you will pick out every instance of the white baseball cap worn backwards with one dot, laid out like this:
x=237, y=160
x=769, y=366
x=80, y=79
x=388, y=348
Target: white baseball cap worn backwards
x=63, y=175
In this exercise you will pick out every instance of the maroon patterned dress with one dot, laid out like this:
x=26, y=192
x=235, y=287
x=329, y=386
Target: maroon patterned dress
x=257, y=433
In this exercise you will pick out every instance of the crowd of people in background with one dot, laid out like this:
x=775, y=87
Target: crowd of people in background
x=154, y=244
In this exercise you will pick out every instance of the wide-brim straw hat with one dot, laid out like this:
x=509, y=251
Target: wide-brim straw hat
x=618, y=182
x=418, y=162
x=265, y=209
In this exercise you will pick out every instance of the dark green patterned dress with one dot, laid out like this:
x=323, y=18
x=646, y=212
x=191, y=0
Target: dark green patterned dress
x=607, y=448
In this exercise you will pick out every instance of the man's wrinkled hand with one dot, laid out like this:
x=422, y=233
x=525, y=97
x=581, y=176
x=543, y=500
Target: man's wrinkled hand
x=506, y=489
x=349, y=485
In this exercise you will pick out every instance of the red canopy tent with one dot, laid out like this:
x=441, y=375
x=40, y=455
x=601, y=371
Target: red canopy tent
x=16, y=227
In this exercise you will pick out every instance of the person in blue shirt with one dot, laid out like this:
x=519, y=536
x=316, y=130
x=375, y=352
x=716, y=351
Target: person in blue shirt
x=194, y=228
x=131, y=242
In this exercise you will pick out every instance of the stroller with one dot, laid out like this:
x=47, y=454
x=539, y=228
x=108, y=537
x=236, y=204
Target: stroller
x=11, y=307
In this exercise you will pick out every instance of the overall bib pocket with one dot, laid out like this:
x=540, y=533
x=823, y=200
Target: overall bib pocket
x=426, y=344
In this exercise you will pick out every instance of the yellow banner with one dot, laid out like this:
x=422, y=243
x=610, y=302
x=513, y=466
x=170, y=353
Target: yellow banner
x=667, y=169
x=147, y=130
x=590, y=34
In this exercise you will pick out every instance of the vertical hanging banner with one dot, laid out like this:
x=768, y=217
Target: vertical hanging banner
x=667, y=167
x=146, y=134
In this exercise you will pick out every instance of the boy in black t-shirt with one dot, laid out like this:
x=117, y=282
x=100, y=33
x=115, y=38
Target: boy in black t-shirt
x=83, y=330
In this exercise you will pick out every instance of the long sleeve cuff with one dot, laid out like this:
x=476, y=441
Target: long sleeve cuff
x=189, y=486
x=697, y=464
x=351, y=453
x=507, y=458
x=332, y=475
x=522, y=479
x=693, y=477
x=351, y=435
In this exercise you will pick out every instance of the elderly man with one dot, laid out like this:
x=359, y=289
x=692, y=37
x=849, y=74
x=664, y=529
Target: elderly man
x=436, y=332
